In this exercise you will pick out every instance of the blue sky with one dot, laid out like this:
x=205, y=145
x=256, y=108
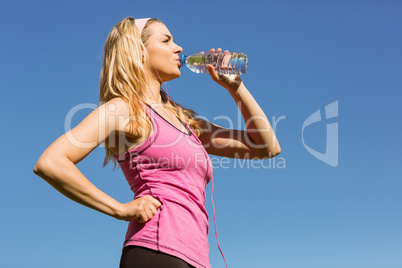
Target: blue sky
x=295, y=211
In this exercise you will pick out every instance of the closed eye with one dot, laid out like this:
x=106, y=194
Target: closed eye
x=168, y=38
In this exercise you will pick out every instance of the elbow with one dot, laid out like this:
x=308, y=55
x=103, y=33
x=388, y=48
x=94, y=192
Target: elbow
x=272, y=152
x=266, y=152
x=42, y=166
x=39, y=167
x=275, y=150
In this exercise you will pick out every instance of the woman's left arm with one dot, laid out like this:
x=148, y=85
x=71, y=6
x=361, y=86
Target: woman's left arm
x=257, y=142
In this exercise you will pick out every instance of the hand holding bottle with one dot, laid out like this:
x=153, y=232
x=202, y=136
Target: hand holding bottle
x=228, y=81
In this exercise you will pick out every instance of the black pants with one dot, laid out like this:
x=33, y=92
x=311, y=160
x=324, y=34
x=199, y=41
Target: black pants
x=140, y=257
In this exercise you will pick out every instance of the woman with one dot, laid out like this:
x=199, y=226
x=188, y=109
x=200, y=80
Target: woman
x=161, y=147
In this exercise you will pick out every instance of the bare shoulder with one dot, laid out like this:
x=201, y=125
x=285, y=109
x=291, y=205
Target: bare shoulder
x=116, y=106
x=117, y=113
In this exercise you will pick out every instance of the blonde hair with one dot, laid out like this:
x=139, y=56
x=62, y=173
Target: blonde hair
x=124, y=75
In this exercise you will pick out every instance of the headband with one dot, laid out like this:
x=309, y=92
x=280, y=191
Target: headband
x=140, y=23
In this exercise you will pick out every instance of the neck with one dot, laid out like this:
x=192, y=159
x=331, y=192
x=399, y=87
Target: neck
x=153, y=91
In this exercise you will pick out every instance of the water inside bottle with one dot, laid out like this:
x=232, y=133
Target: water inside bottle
x=194, y=63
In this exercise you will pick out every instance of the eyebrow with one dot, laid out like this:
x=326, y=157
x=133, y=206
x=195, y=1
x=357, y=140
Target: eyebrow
x=168, y=36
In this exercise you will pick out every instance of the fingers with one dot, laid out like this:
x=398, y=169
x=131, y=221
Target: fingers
x=156, y=202
x=211, y=69
x=219, y=50
x=221, y=79
x=142, y=209
x=212, y=72
x=146, y=215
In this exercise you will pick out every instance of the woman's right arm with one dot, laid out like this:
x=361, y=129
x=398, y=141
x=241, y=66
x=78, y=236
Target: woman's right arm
x=57, y=164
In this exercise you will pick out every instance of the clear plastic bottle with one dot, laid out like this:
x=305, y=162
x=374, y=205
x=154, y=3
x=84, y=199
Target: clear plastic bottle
x=224, y=62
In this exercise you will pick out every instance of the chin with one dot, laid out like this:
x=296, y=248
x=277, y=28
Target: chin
x=172, y=76
x=178, y=73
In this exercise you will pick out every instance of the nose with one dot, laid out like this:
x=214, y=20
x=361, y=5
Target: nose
x=178, y=49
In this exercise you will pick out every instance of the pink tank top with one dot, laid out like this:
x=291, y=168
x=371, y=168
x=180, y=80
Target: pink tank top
x=173, y=167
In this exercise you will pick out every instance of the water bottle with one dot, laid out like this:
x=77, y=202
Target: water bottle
x=224, y=62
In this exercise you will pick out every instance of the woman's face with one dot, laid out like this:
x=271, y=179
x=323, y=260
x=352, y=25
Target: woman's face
x=163, y=52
